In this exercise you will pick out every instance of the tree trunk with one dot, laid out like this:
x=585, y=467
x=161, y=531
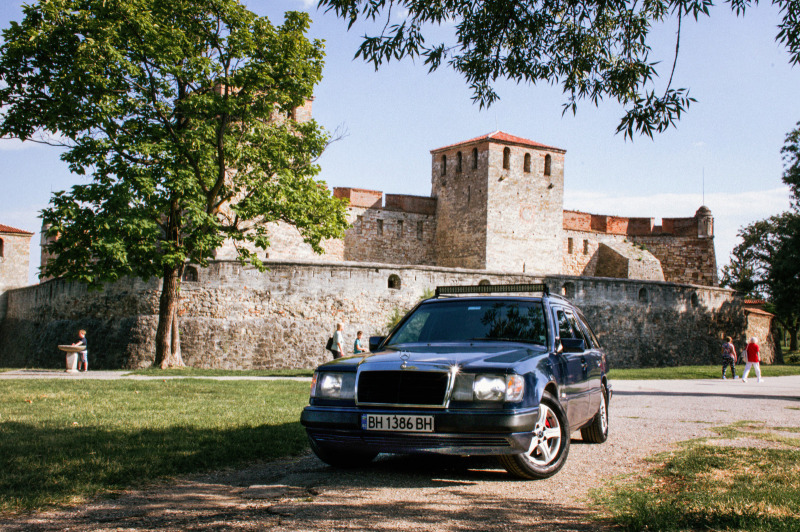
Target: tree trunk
x=176, y=359
x=167, y=314
x=793, y=337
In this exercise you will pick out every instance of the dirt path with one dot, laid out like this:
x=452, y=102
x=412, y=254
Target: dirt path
x=438, y=493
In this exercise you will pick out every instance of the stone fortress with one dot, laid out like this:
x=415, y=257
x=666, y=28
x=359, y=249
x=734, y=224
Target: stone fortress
x=495, y=215
x=496, y=204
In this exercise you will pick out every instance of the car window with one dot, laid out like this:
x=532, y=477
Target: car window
x=576, y=328
x=470, y=320
x=588, y=332
x=564, y=326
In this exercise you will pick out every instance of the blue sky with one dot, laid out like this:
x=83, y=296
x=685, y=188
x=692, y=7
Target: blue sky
x=730, y=139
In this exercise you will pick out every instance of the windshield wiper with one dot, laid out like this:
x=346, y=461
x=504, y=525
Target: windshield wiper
x=500, y=339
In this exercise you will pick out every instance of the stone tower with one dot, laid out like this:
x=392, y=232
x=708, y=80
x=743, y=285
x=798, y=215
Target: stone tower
x=14, y=260
x=499, y=204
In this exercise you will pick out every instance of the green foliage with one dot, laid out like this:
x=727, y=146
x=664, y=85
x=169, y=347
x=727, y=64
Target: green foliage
x=66, y=440
x=594, y=50
x=180, y=113
x=709, y=487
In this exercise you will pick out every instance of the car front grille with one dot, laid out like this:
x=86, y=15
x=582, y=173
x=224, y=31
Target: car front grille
x=427, y=388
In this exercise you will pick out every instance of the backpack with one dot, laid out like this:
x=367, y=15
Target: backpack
x=329, y=345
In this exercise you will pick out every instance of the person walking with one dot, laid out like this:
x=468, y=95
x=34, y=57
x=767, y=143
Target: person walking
x=728, y=357
x=338, y=341
x=753, y=360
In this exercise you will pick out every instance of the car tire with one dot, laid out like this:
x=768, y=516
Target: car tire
x=339, y=458
x=549, y=446
x=597, y=430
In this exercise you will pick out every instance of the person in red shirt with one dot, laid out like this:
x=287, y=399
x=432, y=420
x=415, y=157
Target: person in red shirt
x=753, y=361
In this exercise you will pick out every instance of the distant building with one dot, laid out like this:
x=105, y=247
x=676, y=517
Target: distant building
x=14, y=261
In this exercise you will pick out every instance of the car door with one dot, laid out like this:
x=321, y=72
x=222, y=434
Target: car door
x=575, y=371
x=594, y=366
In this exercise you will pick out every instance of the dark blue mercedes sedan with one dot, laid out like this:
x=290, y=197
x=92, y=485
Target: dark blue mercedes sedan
x=476, y=370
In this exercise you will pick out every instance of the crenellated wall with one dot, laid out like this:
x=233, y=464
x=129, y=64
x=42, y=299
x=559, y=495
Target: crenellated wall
x=235, y=317
x=683, y=246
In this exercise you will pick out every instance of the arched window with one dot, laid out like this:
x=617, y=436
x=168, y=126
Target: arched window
x=506, y=158
x=547, y=163
x=474, y=158
x=394, y=282
x=526, y=167
x=444, y=164
x=484, y=282
x=1, y=248
x=643, y=295
x=568, y=290
x=190, y=274
x=458, y=162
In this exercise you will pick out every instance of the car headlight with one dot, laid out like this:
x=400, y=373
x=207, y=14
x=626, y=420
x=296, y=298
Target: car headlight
x=327, y=385
x=509, y=388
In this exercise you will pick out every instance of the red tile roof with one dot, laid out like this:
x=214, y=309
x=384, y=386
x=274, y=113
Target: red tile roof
x=754, y=301
x=9, y=229
x=501, y=136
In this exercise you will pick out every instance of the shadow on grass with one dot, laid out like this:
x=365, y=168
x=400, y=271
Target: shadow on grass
x=42, y=467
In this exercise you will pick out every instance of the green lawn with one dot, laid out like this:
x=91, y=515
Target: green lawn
x=705, y=486
x=698, y=372
x=63, y=441
x=198, y=372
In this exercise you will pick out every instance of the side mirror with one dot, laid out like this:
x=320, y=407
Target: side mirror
x=374, y=342
x=573, y=345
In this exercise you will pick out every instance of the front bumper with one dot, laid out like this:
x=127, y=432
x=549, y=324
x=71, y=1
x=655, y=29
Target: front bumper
x=456, y=432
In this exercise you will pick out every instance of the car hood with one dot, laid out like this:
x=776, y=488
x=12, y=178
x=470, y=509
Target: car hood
x=473, y=356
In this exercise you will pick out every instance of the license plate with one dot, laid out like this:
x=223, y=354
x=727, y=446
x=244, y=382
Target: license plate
x=397, y=423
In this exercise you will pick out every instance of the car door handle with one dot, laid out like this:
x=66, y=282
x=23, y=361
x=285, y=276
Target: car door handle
x=583, y=363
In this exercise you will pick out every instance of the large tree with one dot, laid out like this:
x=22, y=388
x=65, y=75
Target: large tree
x=767, y=261
x=181, y=113
x=594, y=49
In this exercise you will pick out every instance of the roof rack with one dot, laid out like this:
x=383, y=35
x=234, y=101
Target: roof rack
x=492, y=289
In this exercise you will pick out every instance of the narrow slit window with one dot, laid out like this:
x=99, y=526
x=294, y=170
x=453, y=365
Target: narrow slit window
x=506, y=158
x=474, y=158
x=458, y=162
x=548, y=161
x=400, y=228
x=380, y=227
x=444, y=164
x=526, y=166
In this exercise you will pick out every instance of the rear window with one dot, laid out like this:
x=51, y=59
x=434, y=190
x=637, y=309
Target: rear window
x=470, y=320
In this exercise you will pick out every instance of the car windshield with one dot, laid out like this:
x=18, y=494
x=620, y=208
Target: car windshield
x=471, y=320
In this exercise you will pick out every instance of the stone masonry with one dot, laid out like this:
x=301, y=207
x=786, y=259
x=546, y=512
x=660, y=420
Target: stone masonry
x=14, y=260
x=235, y=317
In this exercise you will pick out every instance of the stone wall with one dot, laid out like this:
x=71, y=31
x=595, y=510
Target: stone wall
x=14, y=261
x=684, y=259
x=461, y=194
x=525, y=218
x=684, y=246
x=234, y=317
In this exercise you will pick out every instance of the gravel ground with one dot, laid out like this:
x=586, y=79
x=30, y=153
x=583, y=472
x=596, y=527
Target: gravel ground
x=439, y=493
